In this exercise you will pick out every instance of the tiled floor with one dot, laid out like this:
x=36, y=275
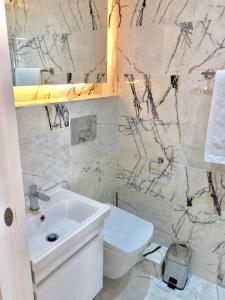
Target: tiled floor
x=137, y=285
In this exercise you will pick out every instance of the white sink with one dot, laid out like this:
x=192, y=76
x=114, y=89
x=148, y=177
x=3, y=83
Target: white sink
x=74, y=218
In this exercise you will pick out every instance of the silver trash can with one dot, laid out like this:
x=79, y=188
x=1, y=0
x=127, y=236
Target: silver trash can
x=177, y=265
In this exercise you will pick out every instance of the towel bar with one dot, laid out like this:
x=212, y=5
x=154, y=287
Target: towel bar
x=50, y=71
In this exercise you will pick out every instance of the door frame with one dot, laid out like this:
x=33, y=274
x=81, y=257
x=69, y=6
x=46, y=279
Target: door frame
x=15, y=271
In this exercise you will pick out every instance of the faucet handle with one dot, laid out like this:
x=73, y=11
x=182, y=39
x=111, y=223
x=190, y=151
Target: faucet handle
x=43, y=197
x=33, y=188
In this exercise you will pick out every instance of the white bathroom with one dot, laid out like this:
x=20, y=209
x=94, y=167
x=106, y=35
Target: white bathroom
x=112, y=150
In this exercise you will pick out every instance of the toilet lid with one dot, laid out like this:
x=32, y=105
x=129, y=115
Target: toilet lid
x=126, y=233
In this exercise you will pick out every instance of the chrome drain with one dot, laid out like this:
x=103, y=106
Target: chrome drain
x=52, y=237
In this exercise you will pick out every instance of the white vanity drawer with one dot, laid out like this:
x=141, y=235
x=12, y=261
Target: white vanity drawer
x=79, y=278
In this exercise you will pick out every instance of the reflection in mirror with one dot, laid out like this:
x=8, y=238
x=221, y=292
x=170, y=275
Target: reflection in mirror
x=57, y=41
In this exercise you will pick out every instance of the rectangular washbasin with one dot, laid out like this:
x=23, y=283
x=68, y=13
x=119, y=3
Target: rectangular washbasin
x=69, y=220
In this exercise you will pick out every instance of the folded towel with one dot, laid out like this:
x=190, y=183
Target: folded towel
x=27, y=76
x=215, y=139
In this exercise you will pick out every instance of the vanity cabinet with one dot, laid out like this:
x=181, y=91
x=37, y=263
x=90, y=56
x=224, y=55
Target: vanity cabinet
x=69, y=265
x=80, y=277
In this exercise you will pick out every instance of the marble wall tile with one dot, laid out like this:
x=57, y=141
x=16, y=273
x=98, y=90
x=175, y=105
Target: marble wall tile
x=149, y=177
x=105, y=109
x=149, y=138
x=178, y=45
x=145, y=13
x=105, y=145
x=96, y=180
x=157, y=120
x=146, y=129
x=48, y=159
x=210, y=10
x=199, y=212
x=202, y=190
x=143, y=140
x=41, y=119
x=45, y=158
x=208, y=46
x=137, y=13
x=180, y=11
x=136, y=57
x=32, y=17
x=182, y=44
x=145, y=95
x=193, y=47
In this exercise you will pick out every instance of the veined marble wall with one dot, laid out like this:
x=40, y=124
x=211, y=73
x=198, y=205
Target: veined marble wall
x=163, y=46
x=48, y=159
x=68, y=36
x=47, y=94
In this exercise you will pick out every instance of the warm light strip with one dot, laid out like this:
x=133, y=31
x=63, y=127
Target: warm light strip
x=44, y=94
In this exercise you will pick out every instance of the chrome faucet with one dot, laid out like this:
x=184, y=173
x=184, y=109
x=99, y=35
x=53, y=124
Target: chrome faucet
x=34, y=196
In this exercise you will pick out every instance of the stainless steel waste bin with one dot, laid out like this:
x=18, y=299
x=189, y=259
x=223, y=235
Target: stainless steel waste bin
x=177, y=266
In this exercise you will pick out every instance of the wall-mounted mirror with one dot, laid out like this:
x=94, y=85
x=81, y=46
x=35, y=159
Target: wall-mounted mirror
x=57, y=41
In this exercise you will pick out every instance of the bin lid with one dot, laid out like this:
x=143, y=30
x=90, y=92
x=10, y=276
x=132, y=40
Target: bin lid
x=179, y=253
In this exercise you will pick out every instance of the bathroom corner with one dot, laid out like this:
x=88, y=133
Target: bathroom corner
x=113, y=103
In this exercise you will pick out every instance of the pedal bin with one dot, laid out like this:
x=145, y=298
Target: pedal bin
x=177, y=266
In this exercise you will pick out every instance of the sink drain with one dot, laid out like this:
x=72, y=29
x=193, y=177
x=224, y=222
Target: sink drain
x=52, y=237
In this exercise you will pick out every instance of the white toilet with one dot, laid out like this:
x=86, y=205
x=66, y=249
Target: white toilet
x=125, y=238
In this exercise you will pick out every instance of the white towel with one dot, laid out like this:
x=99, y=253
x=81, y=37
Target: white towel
x=27, y=76
x=215, y=139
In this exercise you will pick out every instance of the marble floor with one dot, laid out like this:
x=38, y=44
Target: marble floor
x=137, y=285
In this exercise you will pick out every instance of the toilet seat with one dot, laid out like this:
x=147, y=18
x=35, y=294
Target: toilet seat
x=125, y=238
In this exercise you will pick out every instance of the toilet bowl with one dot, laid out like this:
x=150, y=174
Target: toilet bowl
x=125, y=238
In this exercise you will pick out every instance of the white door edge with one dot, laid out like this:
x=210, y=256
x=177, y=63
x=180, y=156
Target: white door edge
x=15, y=274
